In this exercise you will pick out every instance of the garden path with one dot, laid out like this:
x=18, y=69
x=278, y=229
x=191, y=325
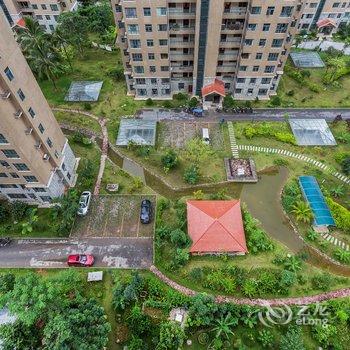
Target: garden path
x=233, y=142
x=341, y=293
x=102, y=122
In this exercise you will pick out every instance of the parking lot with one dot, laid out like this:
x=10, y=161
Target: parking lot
x=115, y=216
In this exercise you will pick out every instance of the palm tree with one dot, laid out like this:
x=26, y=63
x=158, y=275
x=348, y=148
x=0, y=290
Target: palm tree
x=293, y=264
x=39, y=51
x=223, y=326
x=302, y=212
x=337, y=191
x=59, y=38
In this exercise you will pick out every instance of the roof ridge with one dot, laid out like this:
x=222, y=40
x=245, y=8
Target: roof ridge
x=231, y=235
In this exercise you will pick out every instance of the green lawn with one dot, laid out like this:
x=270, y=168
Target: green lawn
x=302, y=96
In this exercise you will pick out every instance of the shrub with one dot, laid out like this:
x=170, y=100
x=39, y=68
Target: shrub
x=4, y=211
x=203, y=338
x=117, y=73
x=276, y=101
x=342, y=256
x=169, y=160
x=149, y=102
x=180, y=258
x=198, y=195
x=290, y=93
x=340, y=214
x=179, y=238
x=218, y=280
x=191, y=174
x=322, y=281
x=228, y=102
x=305, y=73
x=7, y=282
x=196, y=274
x=19, y=210
x=285, y=137
x=87, y=106
x=292, y=340
x=180, y=96
x=266, y=338
x=345, y=165
x=167, y=104
x=314, y=87
x=193, y=102
x=250, y=288
x=280, y=162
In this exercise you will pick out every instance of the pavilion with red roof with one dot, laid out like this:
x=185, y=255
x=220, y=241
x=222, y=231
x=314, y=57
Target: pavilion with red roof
x=216, y=227
x=213, y=93
x=326, y=26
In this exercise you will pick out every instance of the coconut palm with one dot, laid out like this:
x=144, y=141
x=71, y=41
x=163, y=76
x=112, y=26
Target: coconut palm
x=302, y=212
x=223, y=326
x=60, y=41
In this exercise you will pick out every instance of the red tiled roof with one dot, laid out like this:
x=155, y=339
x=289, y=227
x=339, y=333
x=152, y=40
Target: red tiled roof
x=326, y=22
x=218, y=86
x=21, y=23
x=216, y=226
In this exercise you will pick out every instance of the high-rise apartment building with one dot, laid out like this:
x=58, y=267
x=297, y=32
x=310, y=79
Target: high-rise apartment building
x=171, y=46
x=46, y=12
x=36, y=161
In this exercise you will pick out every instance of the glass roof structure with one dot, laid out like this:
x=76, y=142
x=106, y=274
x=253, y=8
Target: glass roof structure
x=140, y=132
x=87, y=91
x=307, y=59
x=312, y=132
x=312, y=193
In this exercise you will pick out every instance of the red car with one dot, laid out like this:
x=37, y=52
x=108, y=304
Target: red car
x=84, y=260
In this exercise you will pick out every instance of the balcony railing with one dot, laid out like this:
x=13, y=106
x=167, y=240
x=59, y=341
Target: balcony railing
x=236, y=10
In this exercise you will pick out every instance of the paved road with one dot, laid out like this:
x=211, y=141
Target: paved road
x=258, y=114
x=108, y=252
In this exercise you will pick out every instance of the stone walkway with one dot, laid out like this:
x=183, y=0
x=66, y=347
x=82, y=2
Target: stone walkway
x=233, y=142
x=102, y=122
x=335, y=241
x=297, y=156
x=341, y=293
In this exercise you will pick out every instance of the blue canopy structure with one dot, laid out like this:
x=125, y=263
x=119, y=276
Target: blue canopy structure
x=313, y=194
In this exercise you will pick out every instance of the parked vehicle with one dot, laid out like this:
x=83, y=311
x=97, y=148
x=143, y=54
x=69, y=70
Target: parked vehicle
x=5, y=241
x=82, y=260
x=146, y=211
x=84, y=203
x=205, y=136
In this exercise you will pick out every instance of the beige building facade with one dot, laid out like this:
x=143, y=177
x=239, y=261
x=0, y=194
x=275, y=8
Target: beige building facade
x=171, y=46
x=46, y=12
x=36, y=161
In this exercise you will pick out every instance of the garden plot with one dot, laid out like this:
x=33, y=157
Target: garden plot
x=114, y=216
x=176, y=134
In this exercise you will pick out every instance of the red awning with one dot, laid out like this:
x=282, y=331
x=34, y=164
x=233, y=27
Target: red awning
x=326, y=22
x=216, y=226
x=218, y=87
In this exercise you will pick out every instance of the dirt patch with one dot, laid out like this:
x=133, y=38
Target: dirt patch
x=114, y=216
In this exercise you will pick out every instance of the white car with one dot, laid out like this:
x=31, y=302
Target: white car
x=84, y=203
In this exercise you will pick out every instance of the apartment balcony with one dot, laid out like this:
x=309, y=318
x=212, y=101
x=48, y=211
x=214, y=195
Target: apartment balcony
x=230, y=44
x=234, y=10
x=230, y=28
x=181, y=56
x=227, y=68
x=181, y=29
x=228, y=55
x=181, y=43
x=177, y=68
x=178, y=13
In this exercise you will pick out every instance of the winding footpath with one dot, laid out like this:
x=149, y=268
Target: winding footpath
x=341, y=293
x=102, y=122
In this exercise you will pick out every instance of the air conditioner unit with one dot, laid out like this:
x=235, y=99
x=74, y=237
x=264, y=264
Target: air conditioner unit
x=28, y=131
x=5, y=95
x=38, y=145
x=46, y=157
x=18, y=114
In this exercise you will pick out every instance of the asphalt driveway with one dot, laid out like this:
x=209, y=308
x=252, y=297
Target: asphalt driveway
x=136, y=253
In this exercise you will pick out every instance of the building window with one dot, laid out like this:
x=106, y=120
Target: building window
x=30, y=178
x=32, y=195
x=16, y=195
x=142, y=92
x=240, y=80
x=21, y=94
x=154, y=92
x=258, y=56
x=255, y=68
x=69, y=176
x=10, y=153
x=3, y=139
x=43, y=6
x=248, y=42
x=181, y=86
x=281, y=28
x=266, y=27
x=133, y=29
x=45, y=198
x=130, y=12
x=256, y=10
x=262, y=42
x=4, y=163
x=139, y=69
x=238, y=91
x=54, y=7
x=140, y=81
x=9, y=73
x=269, y=69
x=14, y=175
x=243, y=68
x=164, y=56
x=57, y=154
x=41, y=128
x=39, y=189
x=163, y=42
x=8, y=186
x=49, y=142
x=21, y=166
x=162, y=27
x=3, y=175
x=147, y=11
x=265, y=81
x=273, y=56
x=39, y=17
x=48, y=17
x=137, y=57
x=148, y=28
x=153, y=81
x=277, y=43
x=252, y=80
x=286, y=11
x=149, y=42
x=31, y=112
x=270, y=10
x=135, y=44
x=164, y=68
x=152, y=69
x=34, y=6
x=151, y=56
x=161, y=11
x=262, y=92
x=252, y=26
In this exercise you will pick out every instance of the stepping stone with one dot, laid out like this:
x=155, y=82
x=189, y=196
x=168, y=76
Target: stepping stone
x=335, y=241
x=325, y=235
x=328, y=238
x=331, y=240
x=347, y=247
x=343, y=245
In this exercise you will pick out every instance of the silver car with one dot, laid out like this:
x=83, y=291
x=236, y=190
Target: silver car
x=84, y=203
